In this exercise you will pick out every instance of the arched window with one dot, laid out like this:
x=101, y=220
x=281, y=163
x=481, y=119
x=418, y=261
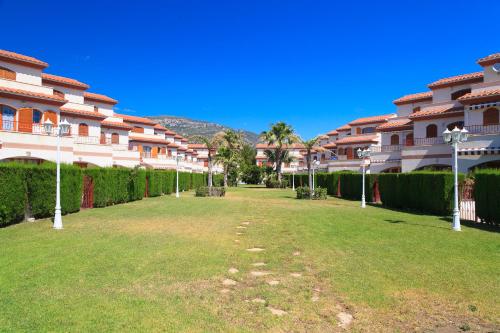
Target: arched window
x=6, y=73
x=58, y=93
x=490, y=117
x=83, y=130
x=37, y=117
x=459, y=124
x=138, y=129
x=367, y=130
x=115, y=138
x=394, y=139
x=7, y=117
x=341, y=151
x=358, y=130
x=459, y=93
x=409, y=139
x=431, y=131
x=416, y=109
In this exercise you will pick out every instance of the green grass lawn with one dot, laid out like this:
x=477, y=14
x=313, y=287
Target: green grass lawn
x=158, y=265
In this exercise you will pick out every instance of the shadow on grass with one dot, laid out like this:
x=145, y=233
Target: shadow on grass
x=416, y=224
x=475, y=225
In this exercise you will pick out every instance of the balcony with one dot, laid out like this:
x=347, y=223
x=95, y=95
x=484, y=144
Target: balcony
x=428, y=141
x=15, y=126
x=386, y=148
x=483, y=129
x=91, y=140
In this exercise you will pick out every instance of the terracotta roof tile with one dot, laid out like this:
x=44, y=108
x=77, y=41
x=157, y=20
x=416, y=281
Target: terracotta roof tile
x=357, y=139
x=159, y=127
x=184, y=140
x=170, y=133
x=414, y=98
x=437, y=112
x=64, y=81
x=395, y=124
x=489, y=60
x=82, y=113
x=332, y=133
x=457, y=80
x=149, y=140
x=292, y=146
x=19, y=58
x=177, y=136
x=197, y=146
x=173, y=145
x=330, y=145
x=344, y=128
x=372, y=120
x=99, y=98
x=134, y=119
x=181, y=148
x=491, y=95
x=115, y=124
x=53, y=99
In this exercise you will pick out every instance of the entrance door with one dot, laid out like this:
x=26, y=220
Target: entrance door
x=88, y=192
x=25, y=120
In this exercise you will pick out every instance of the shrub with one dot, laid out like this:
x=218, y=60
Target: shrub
x=12, y=193
x=251, y=174
x=198, y=180
x=429, y=192
x=272, y=182
x=136, y=184
x=351, y=185
x=218, y=179
x=205, y=191
x=487, y=195
x=303, y=192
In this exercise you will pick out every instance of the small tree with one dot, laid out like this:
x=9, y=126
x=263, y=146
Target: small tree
x=228, y=154
x=279, y=136
x=309, y=146
x=212, y=145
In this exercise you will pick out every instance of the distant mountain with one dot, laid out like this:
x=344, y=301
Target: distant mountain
x=189, y=127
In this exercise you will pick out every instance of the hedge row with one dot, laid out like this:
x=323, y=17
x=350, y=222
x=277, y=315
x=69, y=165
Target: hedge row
x=429, y=192
x=29, y=190
x=487, y=195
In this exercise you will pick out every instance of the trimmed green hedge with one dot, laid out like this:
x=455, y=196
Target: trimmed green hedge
x=351, y=185
x=13, y=195
x=487, y=195
x=429, y=192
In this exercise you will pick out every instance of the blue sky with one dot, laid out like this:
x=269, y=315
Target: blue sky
x=313, y=64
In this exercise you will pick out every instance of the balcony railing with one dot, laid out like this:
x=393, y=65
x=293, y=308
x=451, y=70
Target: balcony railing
x=91, y=140
x=386, y=148
x=15, y=126
x=428, y=141
x=483, y=129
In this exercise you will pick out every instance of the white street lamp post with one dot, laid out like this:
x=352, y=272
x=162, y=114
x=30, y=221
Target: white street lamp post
x=363, y=154
x=293, y=180
x=315, y=162
x=453, y=138
x=61, y=130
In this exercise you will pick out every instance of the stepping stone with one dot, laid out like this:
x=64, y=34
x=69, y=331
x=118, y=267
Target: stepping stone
x=273, y=282
x=315, y=298
x=344, y=319
x=277, y=312
x=236, y=240
x=241, y=227
x=245, y=223
x=224, y=291
x=260, y=273
x=259, y=300
x=233, y=270
x=296, y=275
x=255, y=249
x=239, y=233
x=229, y=282
x=296, y=253
x=259, y=264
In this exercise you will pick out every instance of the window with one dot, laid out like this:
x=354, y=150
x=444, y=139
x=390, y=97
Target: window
x=459, y=93
x=358, y=130
x=7, y=74
x=491, y=117
x=409, y=139
x=367, y=130
x=37, y=117
x=115, y=138
x=7, y=117
x=58, y=93
x=103, y=138
x=83, y=130
x=416, y=109
x=96, y=109
x=394, y=139
x=459, y=124
x=138, y=129
x=341, y=151
x=431, y=131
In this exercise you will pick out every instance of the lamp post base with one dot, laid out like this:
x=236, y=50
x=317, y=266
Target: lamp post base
x=57, y=220
x=456, y=221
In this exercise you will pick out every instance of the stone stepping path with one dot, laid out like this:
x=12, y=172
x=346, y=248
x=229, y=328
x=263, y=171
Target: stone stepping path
x=229, y=282
x=259, y=264
x=260, y=273
x=241, y=227
x=225, y=291
x=255, y=249
x=296, y=275
x=258, y=300
x=233, y=270
x=239, y=233
x=345, y=319
x=245, y=223
x=276, y=312
x=296, y=253
x=273, y=282
x=236, y=240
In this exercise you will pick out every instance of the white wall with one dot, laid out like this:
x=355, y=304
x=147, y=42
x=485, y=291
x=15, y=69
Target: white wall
x=25, y=74
x=419, y=126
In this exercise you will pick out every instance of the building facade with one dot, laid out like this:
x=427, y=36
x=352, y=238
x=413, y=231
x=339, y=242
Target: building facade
x=98, y=135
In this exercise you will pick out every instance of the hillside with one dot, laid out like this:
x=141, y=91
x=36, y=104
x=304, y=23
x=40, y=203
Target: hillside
x=189, y=127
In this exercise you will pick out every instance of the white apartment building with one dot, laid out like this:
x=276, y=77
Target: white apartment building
x=98, y=136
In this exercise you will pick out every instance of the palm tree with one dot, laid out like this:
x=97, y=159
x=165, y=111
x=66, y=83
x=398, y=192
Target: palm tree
x=278, y=137
x=212, y=144
x=228, y=153
x=309, y=145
